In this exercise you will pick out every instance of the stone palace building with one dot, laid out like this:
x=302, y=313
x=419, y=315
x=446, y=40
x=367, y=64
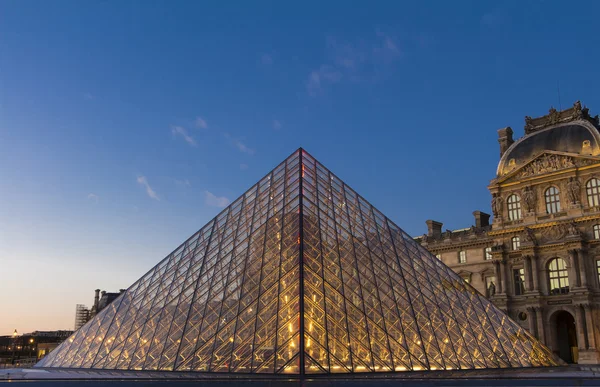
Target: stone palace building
x=539, y=260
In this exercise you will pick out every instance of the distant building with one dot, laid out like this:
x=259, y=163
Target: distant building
x=84, y=314
x=539, y=260
x=28, y=348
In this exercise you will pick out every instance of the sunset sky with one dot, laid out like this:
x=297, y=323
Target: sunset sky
x=125, y=126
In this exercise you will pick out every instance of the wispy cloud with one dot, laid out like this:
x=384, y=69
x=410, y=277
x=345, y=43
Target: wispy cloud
x=144, y=182
x=239, y=145
x=216, y=201
x=183, y=183
x=93, y=197
x=266, y=59
x=181, y=131
x=277, y=124
x=201, y=123
x=243, y=167
x=325, y=75
x=363, y=60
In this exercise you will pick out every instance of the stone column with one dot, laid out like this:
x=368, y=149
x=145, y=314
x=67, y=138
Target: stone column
x=540, y=324
x=589, y=322
x=532, y=321
x=535, y=273
x=498, y=277
x=581, y=334
x=503, y=275
x=528, y=276
x=572, y=269
x=581, y=255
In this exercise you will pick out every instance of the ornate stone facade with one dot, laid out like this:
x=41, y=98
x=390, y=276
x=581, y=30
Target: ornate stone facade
x=539, y=260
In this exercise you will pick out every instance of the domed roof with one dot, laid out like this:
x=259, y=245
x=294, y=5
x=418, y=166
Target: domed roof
x=573, y=137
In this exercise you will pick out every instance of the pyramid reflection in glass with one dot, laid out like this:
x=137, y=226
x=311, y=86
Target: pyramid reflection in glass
x=300, y=275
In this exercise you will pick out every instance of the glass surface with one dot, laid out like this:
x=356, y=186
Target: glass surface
x=488, y=253
x=519, y=281
x=300, y=275
x=462, y=256
x=592, y=190
x=515, y=243
x=514, y=207
x=552, y=200
x=558, y=276
x=596, y=229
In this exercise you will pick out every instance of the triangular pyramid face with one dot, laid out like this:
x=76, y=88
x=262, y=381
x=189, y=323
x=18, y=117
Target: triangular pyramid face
x=300, y=275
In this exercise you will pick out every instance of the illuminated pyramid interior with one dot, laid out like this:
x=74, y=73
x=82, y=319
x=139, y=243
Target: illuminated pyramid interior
x=300, y=275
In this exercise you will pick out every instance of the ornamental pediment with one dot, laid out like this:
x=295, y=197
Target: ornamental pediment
x=547, y=162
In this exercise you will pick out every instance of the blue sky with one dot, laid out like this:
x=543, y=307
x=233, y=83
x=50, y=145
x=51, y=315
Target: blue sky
x=126, y=125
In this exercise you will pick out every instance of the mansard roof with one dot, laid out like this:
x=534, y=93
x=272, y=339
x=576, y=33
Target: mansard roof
x=572, y=131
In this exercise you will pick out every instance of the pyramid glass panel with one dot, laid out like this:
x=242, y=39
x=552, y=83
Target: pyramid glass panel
x=300, y=275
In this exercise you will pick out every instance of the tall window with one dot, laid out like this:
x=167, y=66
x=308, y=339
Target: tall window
x=488, y=253
x=592, y=189
x=515, y=243
x=598, y=270
x=552, y=200
x=519, y=280
x=514, y=207
x=462, y=256
x=559, y=276
x=596, y=231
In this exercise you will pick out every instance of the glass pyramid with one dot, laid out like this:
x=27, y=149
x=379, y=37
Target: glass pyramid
x=300, y=275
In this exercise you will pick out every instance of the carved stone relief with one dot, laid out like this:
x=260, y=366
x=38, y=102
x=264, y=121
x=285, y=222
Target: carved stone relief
x=550, y=163
x=554, y=233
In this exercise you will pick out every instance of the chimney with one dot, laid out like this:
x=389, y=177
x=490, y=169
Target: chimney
x=96, y=298
x=434, y=229
x=481, y=219
x=505, y=139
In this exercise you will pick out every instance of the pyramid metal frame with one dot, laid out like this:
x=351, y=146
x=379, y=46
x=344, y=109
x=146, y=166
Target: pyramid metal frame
x=300, y=275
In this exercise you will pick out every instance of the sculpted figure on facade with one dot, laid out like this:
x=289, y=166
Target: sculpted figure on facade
x=574, y=190
x=573, y=230
x=577, y=110
x=497, y=205
x=529, y=199
x=528, y=235
x=491, y=289
x=553, y=116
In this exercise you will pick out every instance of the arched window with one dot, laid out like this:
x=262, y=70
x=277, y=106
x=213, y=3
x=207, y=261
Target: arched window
x=592, y=189
x=596, y=229
x=552, y=200
x=514, y=207
x=558, y=276
x=515, y=243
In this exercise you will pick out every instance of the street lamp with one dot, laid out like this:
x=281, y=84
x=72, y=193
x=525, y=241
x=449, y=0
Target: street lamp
x=31, y=349
x=14, y=336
